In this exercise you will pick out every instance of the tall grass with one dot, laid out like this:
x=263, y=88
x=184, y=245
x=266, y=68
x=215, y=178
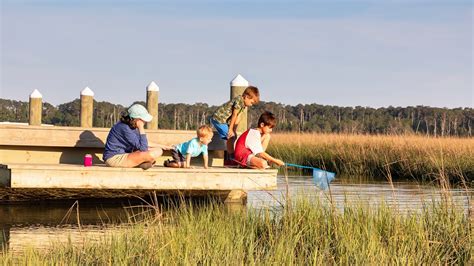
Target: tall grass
x=306, y=233
x=406, y=156
x=303, y=232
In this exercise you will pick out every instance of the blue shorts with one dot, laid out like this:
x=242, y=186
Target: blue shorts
x=222, y=129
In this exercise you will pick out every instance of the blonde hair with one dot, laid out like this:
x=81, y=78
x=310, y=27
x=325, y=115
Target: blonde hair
x=204, y=130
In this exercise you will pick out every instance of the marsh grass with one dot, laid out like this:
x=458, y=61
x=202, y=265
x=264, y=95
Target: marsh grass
x=399, y=157
x=302, y=231
x=306, y=233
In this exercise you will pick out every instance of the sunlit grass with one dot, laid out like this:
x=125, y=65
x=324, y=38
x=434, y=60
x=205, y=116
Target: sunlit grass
x=304, y=233
x=405, y=156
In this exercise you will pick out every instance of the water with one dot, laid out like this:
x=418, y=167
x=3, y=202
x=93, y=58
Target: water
x=405, y=196
x=37, y=225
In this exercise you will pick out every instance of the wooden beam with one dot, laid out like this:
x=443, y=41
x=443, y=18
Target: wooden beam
x=66, y=155
x=53, y=136
x=158, y=178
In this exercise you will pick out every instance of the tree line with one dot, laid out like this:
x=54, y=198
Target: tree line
x=300, y=118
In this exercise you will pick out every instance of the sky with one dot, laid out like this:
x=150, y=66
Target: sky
x=345, y=53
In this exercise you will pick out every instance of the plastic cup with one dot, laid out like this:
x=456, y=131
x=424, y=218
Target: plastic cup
x=87, y=160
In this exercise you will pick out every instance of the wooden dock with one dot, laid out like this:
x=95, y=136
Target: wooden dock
x=230, y=182
x=155, y=178
x=50, y=157
x=38, y=157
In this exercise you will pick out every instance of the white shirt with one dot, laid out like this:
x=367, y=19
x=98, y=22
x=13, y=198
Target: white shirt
x=254, y=141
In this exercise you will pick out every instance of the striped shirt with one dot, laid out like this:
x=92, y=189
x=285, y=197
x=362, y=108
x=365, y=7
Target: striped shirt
x=224, y=112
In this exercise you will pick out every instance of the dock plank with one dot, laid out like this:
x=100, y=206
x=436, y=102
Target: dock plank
x=159, y=178
x=78, y=137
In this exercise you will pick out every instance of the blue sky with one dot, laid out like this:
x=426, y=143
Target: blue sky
x=346, y=53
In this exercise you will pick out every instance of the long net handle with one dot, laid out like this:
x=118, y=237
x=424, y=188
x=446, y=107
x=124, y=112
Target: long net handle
x=299, y=166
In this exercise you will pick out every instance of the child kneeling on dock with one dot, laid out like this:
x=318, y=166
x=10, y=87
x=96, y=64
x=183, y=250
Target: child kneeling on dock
x=183, y=152
x=251, y=145
x=127, y=144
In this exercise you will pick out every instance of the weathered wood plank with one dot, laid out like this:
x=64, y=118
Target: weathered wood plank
x=55, y=136
x=159, y=178
x=66, y=155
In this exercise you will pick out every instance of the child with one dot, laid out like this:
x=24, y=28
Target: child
x=251, y=145
x=183, y=152
x=226, y=118
x=127, y=144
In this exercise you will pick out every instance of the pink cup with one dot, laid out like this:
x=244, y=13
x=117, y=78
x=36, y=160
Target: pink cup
x=87, y=160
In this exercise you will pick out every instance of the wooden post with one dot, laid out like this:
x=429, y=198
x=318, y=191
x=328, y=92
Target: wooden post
x=237, y=87
x=36, y=108
x=236, y=196
x=87, y=107
x=152, y=92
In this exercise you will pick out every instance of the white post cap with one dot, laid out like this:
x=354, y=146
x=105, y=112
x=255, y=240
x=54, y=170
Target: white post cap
x=152, y=87
x=239, y=81
x=36, y=94
x=87, y=92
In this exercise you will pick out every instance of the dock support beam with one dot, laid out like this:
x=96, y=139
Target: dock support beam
x=236, y=196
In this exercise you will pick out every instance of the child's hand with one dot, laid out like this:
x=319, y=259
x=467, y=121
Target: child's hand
x=279, y=162
x=230, y=134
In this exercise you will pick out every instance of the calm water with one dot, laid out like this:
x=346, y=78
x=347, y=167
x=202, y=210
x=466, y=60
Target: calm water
x=36, y=226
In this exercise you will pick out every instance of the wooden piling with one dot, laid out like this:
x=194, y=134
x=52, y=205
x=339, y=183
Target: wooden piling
x=236, y=196
x=36, y=108
x=87, y=107
x=152, y=93
x=237, y=87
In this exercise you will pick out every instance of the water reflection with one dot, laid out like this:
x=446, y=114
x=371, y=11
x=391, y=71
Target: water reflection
x=23, y=226
x=405, y=196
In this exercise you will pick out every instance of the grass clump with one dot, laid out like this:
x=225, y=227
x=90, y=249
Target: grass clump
x=302, y=233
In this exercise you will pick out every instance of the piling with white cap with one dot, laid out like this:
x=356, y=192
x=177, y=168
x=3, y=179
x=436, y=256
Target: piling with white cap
x=36, y=108
x=87, y=107
x=152, y=93
x=237, y=87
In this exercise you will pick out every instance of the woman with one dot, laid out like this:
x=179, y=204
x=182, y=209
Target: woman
x=127, y=144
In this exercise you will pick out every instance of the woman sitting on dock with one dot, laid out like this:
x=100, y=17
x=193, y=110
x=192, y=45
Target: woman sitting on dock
x=127, y=144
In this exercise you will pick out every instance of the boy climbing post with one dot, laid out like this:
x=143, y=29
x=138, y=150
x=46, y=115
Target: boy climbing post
x=227, y=117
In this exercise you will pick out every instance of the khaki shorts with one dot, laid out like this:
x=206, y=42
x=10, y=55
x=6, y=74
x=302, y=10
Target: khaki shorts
x=119, y=160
